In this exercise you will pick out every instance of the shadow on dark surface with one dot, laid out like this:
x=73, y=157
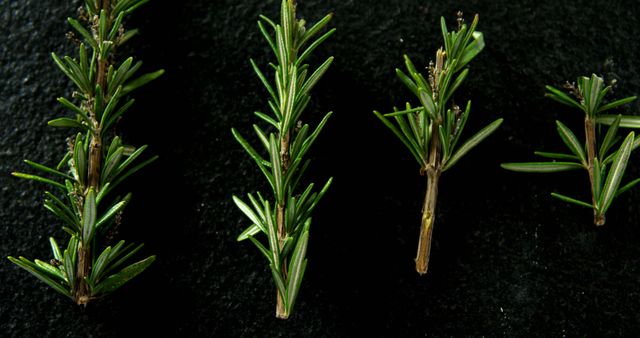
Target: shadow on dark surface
x=507, y=259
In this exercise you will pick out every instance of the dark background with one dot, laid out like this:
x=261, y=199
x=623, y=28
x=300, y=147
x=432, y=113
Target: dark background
x=507, y=258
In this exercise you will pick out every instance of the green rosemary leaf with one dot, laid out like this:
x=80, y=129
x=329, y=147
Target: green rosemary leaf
x=103, y=192
x=598, y=173
x=627, y=187
x=417, y=129
x=72, y=216
x=47, y=169
x=456, y=84
x=626, y=121
x=561, y=97
x=54, y=209
x=542, y=167
x=64, y=161
x=471, y=51
x=299, y=139
x=403, y=112
x=89, y=217
x=132, y=171
x=277, y=278
x=114, y=117
x=141, y=81
x=272, y=233
x=111, y=105
x=113, y=211
x=127, y=36
x=39, y=179
x=445, y=34
x=111, y=163
x=246, y=209
x=407, y=81
x=91, y=6
x=49, y=269
x=444, y=143
x=79, y=160
x=43, y=276
x=75, y=109
x=79, y=75
x=263, y=79
x=556, y=156
x=55, y=249
x=64, y=122
x=69, y=262
x=267, y=37
x=427, y=102
x=317, y=74
x=265, y=252
x=117, y=280
x=276, y=167
x=262, y=164
x=129, y=253
x=617, y=103
x=571, y=141
x=115, y=27
x=571, y=200
x=609, y=137
x=297, y=266
x=314, y=45
x=416, y=154
x=99, y=265
x=615, y=173
x=249, y=232
x=472, y=142
x=83, y=31
x=262, y=136
x=266, y=118
x=311, y=32
x=309, y=141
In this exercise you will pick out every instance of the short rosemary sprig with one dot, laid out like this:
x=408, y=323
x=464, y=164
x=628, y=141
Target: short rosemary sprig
x=432, y=130
x=286, y=219
x=605, y=184
x=82, y=197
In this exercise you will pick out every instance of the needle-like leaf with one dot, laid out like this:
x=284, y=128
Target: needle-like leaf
x=615, y=173
x=472, y=142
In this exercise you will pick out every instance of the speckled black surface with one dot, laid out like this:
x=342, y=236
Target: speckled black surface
x=507, y=259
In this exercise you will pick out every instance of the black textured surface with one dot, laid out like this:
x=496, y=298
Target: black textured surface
x=507, y=259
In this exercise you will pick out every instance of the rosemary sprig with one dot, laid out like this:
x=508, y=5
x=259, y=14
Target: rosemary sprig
x=604, y=181
x=432, y=130
x=285, y=220
x=81, y=198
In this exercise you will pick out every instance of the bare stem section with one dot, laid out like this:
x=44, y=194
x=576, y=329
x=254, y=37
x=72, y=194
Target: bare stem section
x=428, y=220
x=590, y=132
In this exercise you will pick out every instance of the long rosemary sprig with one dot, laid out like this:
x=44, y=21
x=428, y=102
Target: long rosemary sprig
x=432, y=130
x=286, y=219
x=96, y=161
x=605, y=182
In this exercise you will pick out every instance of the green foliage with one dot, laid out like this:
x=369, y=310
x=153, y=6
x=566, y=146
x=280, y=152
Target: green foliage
x=417, y=128
x=82, y=201
x=285, y=220
x=605, y=182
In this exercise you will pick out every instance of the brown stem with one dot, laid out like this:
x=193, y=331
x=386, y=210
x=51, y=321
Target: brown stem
x=82, y=293
x=281, y=311
x=428, y=219
x=590, y=132
x=432, y=170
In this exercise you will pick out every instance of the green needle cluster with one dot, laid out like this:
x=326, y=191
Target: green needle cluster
x=605, y=163
x=432, y=130
x=286, y=218
x=96, y=163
